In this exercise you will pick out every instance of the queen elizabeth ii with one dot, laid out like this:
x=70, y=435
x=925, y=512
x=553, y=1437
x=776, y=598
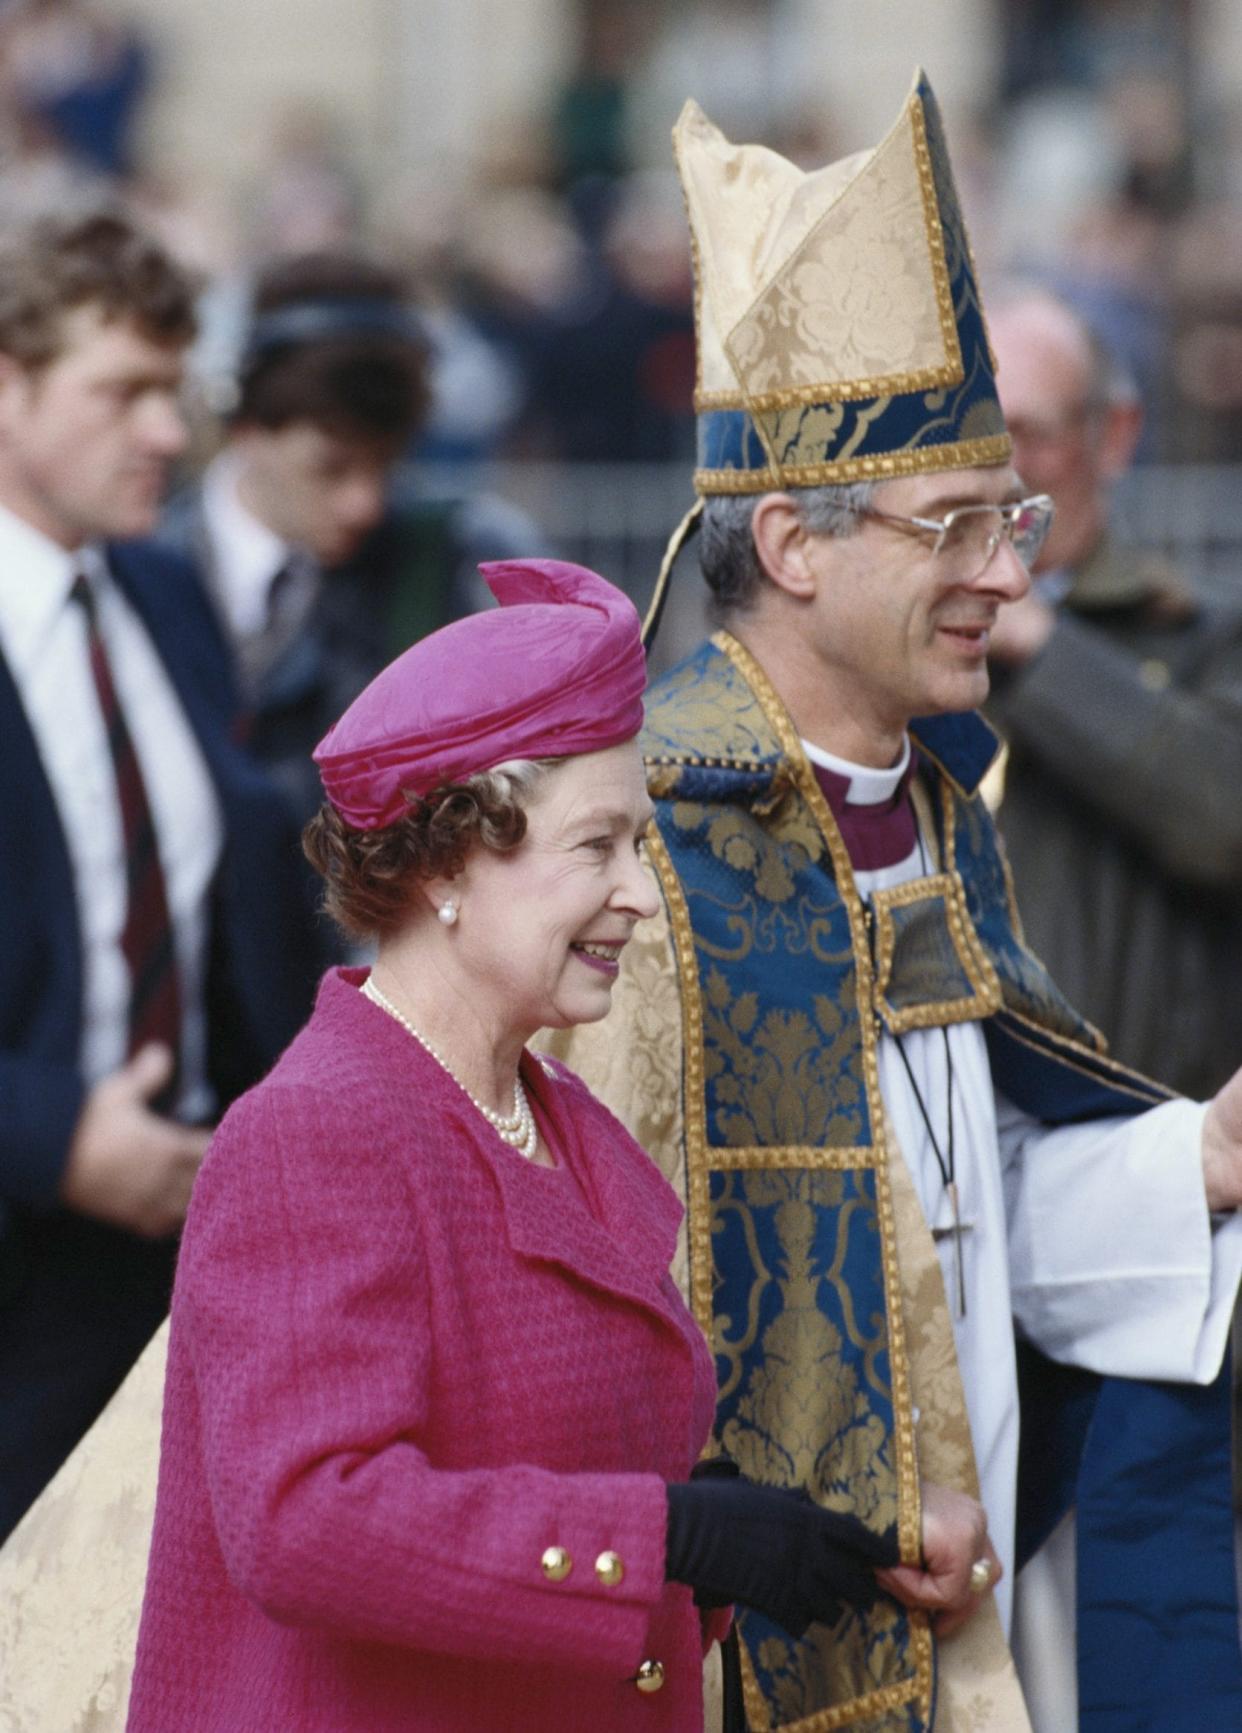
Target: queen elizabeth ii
x=433, y=1399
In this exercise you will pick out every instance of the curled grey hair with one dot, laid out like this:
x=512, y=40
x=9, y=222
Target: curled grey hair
x=512, y=783
x=727, y=551
x=370, y=876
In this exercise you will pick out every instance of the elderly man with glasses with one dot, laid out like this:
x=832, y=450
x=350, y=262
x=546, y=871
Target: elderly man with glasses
x=895, y=1138
x=1118, y=690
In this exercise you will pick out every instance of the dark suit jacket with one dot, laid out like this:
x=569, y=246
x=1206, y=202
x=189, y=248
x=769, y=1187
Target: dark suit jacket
x=78, y=1298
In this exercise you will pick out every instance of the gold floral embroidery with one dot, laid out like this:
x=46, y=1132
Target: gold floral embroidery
x=779, y=1081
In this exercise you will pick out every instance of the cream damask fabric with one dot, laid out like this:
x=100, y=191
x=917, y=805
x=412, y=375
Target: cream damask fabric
x=72, y=1572
x=814, y=286
x=857, y=302
x=749, y=210
x=978, y=1684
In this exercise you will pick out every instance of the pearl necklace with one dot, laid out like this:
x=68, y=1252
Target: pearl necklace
x=517, y=1129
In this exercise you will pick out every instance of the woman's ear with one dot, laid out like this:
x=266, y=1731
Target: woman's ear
x=781, y=543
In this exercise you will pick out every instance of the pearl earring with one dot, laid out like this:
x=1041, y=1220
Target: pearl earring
x=447, y=912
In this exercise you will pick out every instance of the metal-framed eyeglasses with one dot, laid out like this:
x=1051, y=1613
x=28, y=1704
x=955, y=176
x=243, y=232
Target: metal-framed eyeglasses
x=967, y=537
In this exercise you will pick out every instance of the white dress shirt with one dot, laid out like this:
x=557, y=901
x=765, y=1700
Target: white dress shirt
x=264, y=587
x=43, y=638
x=245, y=556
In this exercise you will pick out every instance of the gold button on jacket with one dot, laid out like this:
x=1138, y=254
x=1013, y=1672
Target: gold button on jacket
x=650, y=1676
x=609, y=1569
x=556, y=1564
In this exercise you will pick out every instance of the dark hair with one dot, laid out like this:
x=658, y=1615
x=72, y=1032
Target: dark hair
x=370, y=876
x=58, y=262
x=357, y=384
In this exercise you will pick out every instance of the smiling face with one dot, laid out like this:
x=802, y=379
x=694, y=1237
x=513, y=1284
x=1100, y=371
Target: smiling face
x=892, y=631
x=541, y=929
x=86, y=441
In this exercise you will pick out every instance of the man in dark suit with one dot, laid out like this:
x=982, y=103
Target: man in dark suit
x=323, y=558
x=155, y=949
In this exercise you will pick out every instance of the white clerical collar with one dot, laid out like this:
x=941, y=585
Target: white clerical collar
x=36, y=575
x=868, y=786
x=246, y=554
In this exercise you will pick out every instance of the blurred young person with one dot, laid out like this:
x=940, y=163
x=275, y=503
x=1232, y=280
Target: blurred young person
x=323, y=556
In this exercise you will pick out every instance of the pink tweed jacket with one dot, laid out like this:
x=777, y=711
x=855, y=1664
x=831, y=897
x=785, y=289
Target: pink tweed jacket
x=404, y=1364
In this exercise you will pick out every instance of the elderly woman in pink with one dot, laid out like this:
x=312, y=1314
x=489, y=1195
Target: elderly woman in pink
x=433, y=1398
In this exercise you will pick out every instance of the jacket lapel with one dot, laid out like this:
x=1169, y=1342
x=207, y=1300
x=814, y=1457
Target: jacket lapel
x=43, y=860
x=166, y=594
x=625, y=1243
x=622, y=1236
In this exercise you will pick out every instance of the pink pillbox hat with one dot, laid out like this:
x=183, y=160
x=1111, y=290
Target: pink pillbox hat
x=557, y=669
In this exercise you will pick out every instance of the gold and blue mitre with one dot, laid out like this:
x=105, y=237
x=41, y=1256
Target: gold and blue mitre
x=840, y=331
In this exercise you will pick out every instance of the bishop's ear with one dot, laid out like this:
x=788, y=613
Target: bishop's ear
x=782, y=544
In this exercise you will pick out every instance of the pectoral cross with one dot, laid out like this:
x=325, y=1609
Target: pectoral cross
x=956, y=1229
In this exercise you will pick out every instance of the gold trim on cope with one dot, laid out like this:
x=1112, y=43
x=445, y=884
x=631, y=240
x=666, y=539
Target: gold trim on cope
x=609, y=1569
x=1117, y=1076
x=869, y=1706
x=909, y=1512
x=984, y=998
x=747, y=1159
x=909, y=1503
x=698, y=1191
x=556, y=1564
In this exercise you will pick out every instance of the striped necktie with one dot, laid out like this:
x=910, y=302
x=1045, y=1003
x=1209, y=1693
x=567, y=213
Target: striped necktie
x=147, y=936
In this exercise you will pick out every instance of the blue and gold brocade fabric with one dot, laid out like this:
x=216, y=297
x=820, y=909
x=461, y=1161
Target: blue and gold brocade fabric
x=792, y=1258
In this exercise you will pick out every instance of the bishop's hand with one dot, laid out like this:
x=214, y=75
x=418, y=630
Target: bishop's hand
x=949, y=1583
x=1222, y=1146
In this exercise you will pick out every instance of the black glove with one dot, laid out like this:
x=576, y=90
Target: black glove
x=770, y=1549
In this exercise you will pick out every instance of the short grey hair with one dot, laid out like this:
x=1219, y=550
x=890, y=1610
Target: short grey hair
x=727, y=551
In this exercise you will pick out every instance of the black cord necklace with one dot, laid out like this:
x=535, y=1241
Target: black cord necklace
x=945, y=1161
x=946, y=1157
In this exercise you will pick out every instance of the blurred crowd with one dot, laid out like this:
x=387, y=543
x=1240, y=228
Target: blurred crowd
x=347, y=340
x=556, y=286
